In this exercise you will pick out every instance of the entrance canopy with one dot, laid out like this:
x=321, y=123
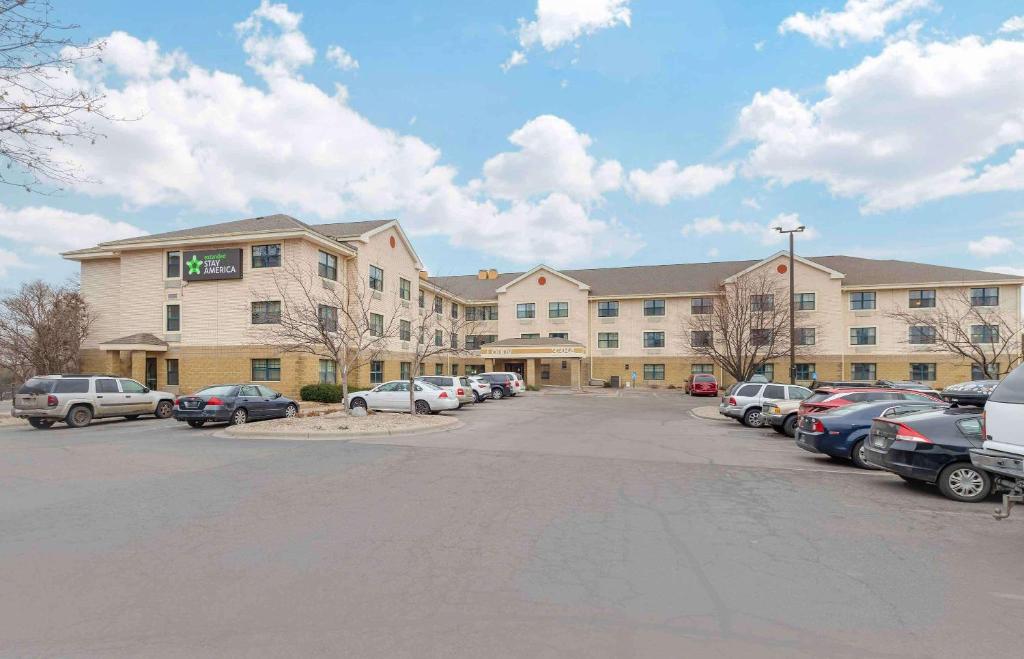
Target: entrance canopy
x=142, y=341
x=531, y=351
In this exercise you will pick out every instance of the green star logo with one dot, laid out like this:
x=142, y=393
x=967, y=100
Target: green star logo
x=195, y=266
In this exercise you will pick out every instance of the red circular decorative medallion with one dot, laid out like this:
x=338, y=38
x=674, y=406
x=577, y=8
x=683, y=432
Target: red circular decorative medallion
x=782, y=268
x=542, y=280
x=392, y=241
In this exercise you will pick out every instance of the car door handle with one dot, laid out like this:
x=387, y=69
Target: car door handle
x=127, y=395
x=99, y=396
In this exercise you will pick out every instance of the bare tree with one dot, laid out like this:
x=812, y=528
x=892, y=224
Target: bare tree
x=42, y=328
x=39, y=103
x=983, y=335
x=746, y=327
x=336, y=321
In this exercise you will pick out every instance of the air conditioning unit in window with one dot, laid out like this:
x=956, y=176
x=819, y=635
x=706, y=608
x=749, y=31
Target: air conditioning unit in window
x=377, y=295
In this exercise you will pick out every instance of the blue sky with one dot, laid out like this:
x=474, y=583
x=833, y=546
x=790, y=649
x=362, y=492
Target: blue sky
x=887, y=160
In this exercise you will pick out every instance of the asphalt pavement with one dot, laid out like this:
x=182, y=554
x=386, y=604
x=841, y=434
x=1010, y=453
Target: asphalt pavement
x=547, y=526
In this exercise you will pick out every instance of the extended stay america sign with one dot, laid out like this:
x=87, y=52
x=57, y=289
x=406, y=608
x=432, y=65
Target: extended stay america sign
x=214, y=263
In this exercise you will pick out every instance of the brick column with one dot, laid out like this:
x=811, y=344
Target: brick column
x=139, y=365
x=488, y=365
x=531, y=372
x=575, y=378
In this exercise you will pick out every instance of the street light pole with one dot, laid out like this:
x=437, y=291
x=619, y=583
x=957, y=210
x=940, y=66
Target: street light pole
x=792, y=304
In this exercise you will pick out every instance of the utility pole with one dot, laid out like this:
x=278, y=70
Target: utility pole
x=792, y=303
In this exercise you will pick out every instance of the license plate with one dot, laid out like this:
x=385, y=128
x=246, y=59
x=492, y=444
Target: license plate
x=191, y=404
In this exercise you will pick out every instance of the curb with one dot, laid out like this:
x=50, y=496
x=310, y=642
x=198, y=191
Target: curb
x=227, y=433
x=707, y=413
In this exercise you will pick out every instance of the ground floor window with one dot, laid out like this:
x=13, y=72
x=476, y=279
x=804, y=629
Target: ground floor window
x=438, y=369
x=473, y=369
x=455, y=369
x=803, y=371
x=328, y=372
x=266, y=370
x=698, y=369
x=923, y=372
x=376, y=371
x=862, y=371
x=978, y=374
x=767, y=370
x=654, y=371
x=404, y=369
x=172, y=372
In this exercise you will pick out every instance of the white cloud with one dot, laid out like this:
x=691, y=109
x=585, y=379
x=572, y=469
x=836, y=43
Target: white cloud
x=1013, y=24
x=8, y=261
x=915, y=123
x=1006, y=270
x=669, y=181
x=561, y=22
x=341, y=58
x=208, y=140
x=750, y=202
x=859, y=20
x=759, y=46
x=47, y=230
x=990, y=246
x=552, y=157
x=713, y=252
x=763, y=233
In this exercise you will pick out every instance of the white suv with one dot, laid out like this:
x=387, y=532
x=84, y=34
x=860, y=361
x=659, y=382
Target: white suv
x=457, y=387
x=1002, y=453
x=78, y=399
x=744, y=400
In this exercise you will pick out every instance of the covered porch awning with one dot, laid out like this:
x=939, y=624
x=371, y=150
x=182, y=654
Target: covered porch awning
x=134, y=342
x=538, y=348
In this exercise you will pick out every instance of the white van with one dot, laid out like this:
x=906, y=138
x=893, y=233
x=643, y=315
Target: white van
x=1002, y=453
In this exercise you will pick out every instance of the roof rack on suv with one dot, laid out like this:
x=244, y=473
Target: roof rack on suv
x=86, y=375
x=845, y=384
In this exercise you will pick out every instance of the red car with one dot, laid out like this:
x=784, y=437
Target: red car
x=829, y=398
x=702, y=385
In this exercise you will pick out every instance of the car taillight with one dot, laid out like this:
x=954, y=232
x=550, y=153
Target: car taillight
x=443, y=394
x=732, y=401
x=817, y=426
x=214, y=401
x=461, y=392
x=51, y=401
x=177, y=402
x=908, y=434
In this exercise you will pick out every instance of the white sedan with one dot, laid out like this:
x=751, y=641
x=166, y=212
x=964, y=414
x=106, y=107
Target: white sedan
x=394, y=397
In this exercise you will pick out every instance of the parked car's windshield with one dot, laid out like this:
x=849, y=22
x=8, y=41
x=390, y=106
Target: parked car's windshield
x=704, y=378
x=219, y=390
x=37, y=386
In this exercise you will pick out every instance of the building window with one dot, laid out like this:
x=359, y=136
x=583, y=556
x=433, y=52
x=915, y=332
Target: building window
x=862, y=300
x=654, y=371
x=702, y=305
x=404, y=369
x=978, y=374
x=423, y=300
x=803, y=371
x=767, y=370
x=702, y=369
x=921, y=299
x=455, y=310
x=700, y=338
x=529, y=336
x=760, y=337
x=376, y=279
x=922, y=334
x=803, y=301
x=328, y=372
x=526, y=310
x=608, y=309
x=404, y=289
x=984, y=297
x=489, y=312
x=172, y=372
x=862, y=336
x=984, y=333
x=328, y=317
x=377, y=325
x=174, y=265
x=607, y=339
x=762, y=302
x=438, y=369
x=438, y=305
x=922, y=372
x=266, y=370
x=455, y=369
x=266, y=256
x=474, y=341
x=806, y=336
x=558, y=309
x=654, y=307
x=454, y=340
x=328, y=266
x=471, y=313
x=558, y=335
x=173, y=317
x=862, y=371
x=376, y=371
x=438, y=338
x=654, y=339
x=404, y=330
x=266, y=313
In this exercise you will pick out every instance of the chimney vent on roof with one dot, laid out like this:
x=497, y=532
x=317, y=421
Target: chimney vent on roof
x=423, y=274
x=482, y=274
x=492, y=274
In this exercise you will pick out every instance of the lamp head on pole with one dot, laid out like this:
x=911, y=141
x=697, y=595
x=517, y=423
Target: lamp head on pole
x=798, y=229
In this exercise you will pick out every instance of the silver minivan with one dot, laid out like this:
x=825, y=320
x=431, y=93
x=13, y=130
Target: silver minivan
x=78, y=399
x=743, y=401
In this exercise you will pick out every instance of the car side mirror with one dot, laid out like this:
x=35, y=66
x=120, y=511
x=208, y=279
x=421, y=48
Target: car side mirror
x=145, y=390
x=277, y=394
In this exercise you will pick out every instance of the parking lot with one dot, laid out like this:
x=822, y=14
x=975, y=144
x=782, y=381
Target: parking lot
x=547, y=525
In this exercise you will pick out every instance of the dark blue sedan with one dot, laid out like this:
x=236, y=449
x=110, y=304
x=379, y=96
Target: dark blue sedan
x=234, y=404
x=842, y=431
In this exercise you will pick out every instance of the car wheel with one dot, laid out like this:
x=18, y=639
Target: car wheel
x=422, y=407
x=752, y=418
x=164, y=409
x=239, y=417
x=357, y=402
x=857, y=455
x=290, y=411
x=79, y=416
x=779, y=429
x=196, y=423
x=789, y=426
x=497, y=393
x=477, y=397
x=964, y=482
x=40, y=423
x=131, y=417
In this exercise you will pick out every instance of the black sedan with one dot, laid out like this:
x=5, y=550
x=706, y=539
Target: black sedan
x=233, y=403
x=932, y=447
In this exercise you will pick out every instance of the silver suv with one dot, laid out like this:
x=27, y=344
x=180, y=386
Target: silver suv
x=744, y=400
x=78, y=399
